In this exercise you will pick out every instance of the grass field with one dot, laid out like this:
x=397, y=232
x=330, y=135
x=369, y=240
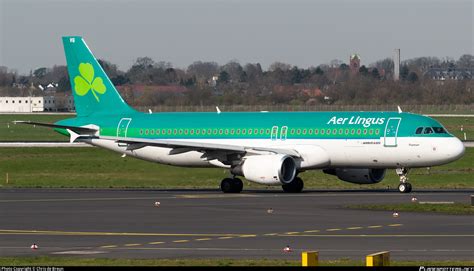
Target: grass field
x=454, y=209
x=21, y=132
x=99, y=168
x=69, y=261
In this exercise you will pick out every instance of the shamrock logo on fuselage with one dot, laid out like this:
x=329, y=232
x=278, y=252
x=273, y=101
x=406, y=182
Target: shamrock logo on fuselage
x=86, y=81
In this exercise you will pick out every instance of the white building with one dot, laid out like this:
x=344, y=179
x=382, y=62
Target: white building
x=36, y=104
x=21, y=104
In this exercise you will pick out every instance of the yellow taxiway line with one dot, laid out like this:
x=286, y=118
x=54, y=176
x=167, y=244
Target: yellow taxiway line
x=83, y=233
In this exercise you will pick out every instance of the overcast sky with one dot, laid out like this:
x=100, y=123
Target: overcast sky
x=302, y=33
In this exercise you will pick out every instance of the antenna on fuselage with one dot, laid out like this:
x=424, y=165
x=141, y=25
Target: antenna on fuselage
x=399, y=109
x=218, y=110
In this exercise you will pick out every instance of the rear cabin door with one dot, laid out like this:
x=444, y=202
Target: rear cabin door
x=122, y=127
x=391, y=132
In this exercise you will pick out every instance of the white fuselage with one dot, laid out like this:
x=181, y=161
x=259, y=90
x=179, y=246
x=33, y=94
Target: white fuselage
x=409, y=152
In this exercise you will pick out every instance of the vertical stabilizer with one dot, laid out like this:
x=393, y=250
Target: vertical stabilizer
x=93, y=91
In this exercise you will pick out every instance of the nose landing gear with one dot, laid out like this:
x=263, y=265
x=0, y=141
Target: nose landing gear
x=404, y=186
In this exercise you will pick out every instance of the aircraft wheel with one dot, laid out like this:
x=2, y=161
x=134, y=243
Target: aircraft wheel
x=296, y=186
x=226, y=185
x=408, y=187
x=238, y=185
x=404, y=187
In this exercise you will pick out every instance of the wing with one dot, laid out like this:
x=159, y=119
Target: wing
x=137, y=143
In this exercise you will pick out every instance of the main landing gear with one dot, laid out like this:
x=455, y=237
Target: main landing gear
x=404, y=186
x=294, y=186
x=232, y=185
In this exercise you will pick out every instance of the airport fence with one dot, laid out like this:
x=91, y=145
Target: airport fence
x=414, y=108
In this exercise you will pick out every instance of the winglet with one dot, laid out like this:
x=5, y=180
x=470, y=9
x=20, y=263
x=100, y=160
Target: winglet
x=399, y=109
x=73, y=135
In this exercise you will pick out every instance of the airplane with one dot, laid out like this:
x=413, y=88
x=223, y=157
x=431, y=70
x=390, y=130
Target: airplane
x=269, y=148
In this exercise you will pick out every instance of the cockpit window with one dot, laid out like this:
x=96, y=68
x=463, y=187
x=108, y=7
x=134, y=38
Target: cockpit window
x=428, y=130
x=419, y=130
x=439, y=130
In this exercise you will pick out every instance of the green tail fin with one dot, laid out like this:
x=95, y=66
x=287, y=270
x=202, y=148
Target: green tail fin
x=93, y=91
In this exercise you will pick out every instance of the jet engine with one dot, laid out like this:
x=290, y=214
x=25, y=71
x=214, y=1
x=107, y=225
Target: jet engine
x=358, y=175
x=271, y=169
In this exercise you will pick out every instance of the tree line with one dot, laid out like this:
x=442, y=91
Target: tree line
x=148, y=83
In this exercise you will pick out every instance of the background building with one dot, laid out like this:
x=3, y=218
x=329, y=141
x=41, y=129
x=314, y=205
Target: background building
x=36, y=104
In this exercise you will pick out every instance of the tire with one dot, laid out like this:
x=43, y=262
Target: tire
x=404, y=187
x=296, y=186
x=238, y=185
x=408, y=187
x=227, y=185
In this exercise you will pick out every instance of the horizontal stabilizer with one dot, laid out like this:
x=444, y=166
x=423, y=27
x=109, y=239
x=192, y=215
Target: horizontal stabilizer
x=80, y=130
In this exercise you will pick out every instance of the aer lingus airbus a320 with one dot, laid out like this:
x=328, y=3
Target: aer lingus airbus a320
x=268, y=148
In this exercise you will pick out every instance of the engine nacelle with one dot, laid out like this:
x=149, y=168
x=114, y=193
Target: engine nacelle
x=271, y=169
x=358, y=175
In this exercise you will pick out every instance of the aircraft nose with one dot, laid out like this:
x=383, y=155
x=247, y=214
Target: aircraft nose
x=456, y=149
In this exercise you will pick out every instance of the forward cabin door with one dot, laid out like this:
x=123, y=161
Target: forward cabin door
x=391, y=132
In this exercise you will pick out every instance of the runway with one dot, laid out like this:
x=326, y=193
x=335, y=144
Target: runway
x=209, y=224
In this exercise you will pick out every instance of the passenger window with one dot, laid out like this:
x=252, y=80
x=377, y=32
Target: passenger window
x=340, y=131
x=322, y=131
x=304, y=131
x=292, y=131
x=267, y=132
x=186, y=131
x=334, y=131
x=419, y=130
x=157, y=131
x=255, y=131
x=261, y=131
x=347, y=131
x=192, y=131
x=428, y=130
x=232, y=131
x=152, y=131
x=377, y=131
x=141, y=131
x=352, y=131
x=220, y=131
x=226, y=131
x=250, y=131
x=180, y=131
x=328, y=131
x=310, y=131
x=316, y=131
x=238, y=131
x=358, y=131
x=215, y=131
x=298, y=131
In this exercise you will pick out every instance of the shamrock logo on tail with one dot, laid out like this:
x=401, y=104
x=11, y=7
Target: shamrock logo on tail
x=86, y=81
